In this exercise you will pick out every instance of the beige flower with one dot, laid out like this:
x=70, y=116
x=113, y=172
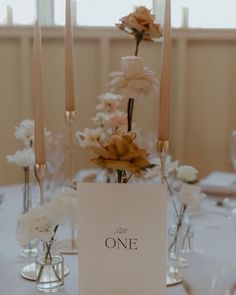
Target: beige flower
x=190, y=195
x=116, y=119
x=90, y=137
x=187, y=173
x=140, y=21
x=109, y=102
x=121, y=153
x=134, y=80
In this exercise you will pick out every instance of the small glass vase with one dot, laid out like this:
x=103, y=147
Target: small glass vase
x=179, y=234
x=50, y=270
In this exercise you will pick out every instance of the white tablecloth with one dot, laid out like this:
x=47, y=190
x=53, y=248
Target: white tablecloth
x=11, y=283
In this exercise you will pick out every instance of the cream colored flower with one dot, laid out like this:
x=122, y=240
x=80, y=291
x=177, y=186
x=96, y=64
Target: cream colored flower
x=23, y=158
x=36, y=224
x=25, y=132
x=107, y=106
x=90, y=137
x=142, y=21
x=190, y=195
x=120, y=152
x=156, y=171
x=63, y=207
x=187, y=173
x=135, y=80
x=117, y=119
x=109, y=102
x=100, y=119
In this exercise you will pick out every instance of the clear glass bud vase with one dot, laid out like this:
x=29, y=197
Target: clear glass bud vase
x=179, y=242
x=50, y=270
x=31, y=249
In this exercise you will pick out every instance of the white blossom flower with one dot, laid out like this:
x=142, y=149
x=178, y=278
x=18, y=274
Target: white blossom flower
x=110, y=96
x=187, y=173
x=100, y=119
x=135, y=80
x=156, y=171
x=37, y=223
x=25, y=132
x=117, y=119
x=109, y=102
x=90, y=137
x=190, y=195
x=22, y=158
x=64, y=205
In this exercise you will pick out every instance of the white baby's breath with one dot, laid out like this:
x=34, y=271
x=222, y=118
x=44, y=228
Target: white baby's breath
x=187, y=173
x=90, y=137
x=25, y=132
x=22, y=158
x=190, y=195
x=135, y=80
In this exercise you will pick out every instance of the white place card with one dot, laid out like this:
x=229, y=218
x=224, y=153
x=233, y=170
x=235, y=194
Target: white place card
x=122, y=239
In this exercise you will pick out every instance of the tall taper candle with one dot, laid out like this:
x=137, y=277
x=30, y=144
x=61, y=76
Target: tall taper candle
x=38, y=97
x=70, y=101
x=165, y=84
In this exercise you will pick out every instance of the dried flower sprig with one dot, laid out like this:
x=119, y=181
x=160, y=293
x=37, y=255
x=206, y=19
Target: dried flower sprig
x=141, y=24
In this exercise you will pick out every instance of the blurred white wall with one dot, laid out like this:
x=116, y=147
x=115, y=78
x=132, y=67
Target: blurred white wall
x=203, y=100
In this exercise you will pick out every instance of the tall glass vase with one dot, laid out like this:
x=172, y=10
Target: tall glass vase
x=31, y=249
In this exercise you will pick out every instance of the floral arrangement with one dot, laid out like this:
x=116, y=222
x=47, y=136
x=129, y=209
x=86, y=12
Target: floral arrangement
x=113, y=139
x=25, y=158
x=189, y=196
x=43, y=222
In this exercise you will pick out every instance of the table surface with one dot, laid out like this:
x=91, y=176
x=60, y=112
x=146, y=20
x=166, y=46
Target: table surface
x=11, y=263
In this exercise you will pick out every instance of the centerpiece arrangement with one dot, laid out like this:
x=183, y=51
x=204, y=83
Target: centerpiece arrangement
x=113, y=139
x=114, y=142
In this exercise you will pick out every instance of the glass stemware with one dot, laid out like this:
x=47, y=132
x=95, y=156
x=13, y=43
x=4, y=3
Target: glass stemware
x=213, y=259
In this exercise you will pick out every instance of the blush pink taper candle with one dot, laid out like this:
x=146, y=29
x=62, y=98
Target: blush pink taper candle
x=165, y=83
x=38, y=97
x=70, y=101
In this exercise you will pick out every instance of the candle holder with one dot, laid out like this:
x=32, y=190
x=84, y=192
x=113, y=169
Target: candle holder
x=173, y=275
x=69, y=246
x=40, y=173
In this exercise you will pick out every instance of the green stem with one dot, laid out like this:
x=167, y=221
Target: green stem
x=26, y=191
x=130, y=109
x=119, y=175
x=138, y=38
x=171, y=195
x=179, y=224
x=48, y=254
